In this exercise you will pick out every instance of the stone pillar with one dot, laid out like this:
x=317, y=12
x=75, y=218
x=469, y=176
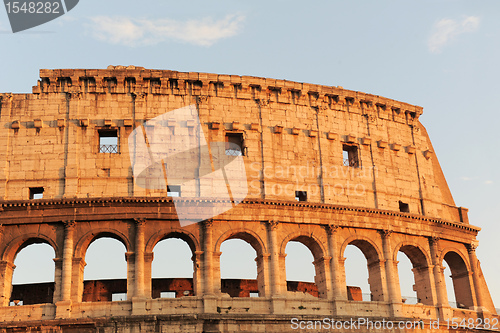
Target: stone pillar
x=63, y=303
x=6, y=271
x=262, y=275
x=148, y=260
x=208, y=274
x=209, y=298
x=139, y=258
x=67, y=264
x=275, y=276
x=390, y=268
x=339, y=291
x=323, y=277
x=197, y=279
x=442, y=295
x=57, y=294
x=131, y=283
x=77, y=279
x=474, y=264
x=391, y=273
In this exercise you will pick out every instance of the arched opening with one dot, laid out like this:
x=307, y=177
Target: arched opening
x=406, y=279
x=303, y=273
x=460, y=279
x=414, y=276
x=357, y=274
x=172, y=269
x=34, y=273
x=238, y=268
x=105, y=274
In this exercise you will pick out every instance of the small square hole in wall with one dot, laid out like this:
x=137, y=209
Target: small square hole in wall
x=167, y=294
x=119, y=297
x=254, y=294
x=108, y=141
x=173, y=190
x=16, y=303
x=404, y=207
x=350, y=156
x=36, y=192
x=301, y=195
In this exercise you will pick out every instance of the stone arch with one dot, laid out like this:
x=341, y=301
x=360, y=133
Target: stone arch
x=458, y=251
x=376, y=270
x=321, y=260
x=185, y=235
x=9, y=255
x=461, y=276
x=247, y=235
x=309, y=240
x=85, y=241
x=255, y=241
x=420, y=261
x=369, y=249
x=19, y=243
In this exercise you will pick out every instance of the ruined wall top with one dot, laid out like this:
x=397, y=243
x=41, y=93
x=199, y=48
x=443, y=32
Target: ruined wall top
x=124, y=79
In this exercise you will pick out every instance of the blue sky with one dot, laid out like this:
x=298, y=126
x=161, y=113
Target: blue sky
x=440, y=54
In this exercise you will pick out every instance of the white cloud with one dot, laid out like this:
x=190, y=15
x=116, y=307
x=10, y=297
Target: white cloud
x=446, y=30
x=488, y=182
x=139, y=32
x=466, y=178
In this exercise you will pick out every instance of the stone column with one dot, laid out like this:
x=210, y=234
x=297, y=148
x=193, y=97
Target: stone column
x=391, y=274
x=442, y=295
x=390, y=268
x=339, y=291
x=148, y=260
x=67, y=264
x=209, y=298
x=262, y=275
x=77, y=278
x=275, y=276
x=197, y=278
x=323, y=277
x=474, y=264
x=6, y=271
x=208, y=274
x=139, y=258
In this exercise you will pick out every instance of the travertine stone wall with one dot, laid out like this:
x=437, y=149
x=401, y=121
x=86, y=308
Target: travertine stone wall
x=293, y=135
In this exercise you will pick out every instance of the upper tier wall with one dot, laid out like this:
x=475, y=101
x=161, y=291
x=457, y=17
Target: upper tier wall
x=295, y=136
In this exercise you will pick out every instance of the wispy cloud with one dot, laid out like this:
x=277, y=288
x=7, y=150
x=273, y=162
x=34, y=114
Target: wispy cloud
x=466, y=179
x=446, y=30
x=488, y=182
x=140, y=32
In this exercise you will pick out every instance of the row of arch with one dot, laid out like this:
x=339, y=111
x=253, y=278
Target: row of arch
x=330, y=275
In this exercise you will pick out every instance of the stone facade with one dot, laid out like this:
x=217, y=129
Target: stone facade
x=326, y=167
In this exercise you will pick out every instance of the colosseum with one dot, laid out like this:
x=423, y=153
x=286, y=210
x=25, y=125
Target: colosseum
x=144, y=155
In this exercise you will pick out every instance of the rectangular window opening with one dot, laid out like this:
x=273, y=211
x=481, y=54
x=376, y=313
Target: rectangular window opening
x=118, y=297
x=350, y=156
x=254, y=294
x=108, y=141
x=301, y=195
x=173, y=190
x=167, y=294
x=234, y=144
x=16, y=303
x=36, y=193
x=404, y=207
